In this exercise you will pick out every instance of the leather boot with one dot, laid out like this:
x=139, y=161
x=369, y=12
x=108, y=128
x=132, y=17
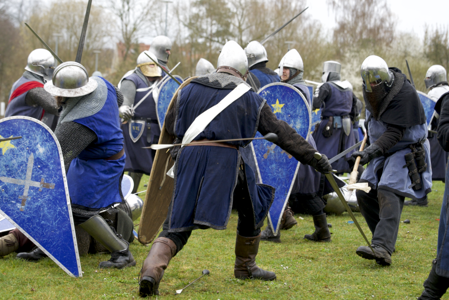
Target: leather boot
x=321, y=233
x=268, y=235
x=245, y=267
x=153, y=267
x=8, y=244
x=381, y=255
x=288, y=220
x=119, y=260
x=435, y=285
x=35, y=255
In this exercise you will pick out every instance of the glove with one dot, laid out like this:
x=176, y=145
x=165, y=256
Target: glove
x=368, y=154
x=126, y=112
x=323, y=166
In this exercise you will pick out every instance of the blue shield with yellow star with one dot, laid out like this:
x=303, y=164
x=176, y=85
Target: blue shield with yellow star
x=33, y=190
x=166, y=92
x=276, y=167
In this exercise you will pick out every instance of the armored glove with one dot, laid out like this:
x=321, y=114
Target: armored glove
x=322, y=165
x=126, y=112
x=368, y=154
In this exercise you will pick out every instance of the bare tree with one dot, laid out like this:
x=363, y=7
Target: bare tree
x=436, y=45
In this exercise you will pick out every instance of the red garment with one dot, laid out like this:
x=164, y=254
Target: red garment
x=25, y=88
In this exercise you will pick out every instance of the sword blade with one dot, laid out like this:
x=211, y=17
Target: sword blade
x=79, y=53
x=45, y=44
x=341, y=154
x=334, y=185
x=280, y=28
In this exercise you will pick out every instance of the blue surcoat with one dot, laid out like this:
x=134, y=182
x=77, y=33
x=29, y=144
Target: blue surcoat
x=139, y=159
x=393, y=176
x=206, y=176
x=94, y=182
x=339, y=104
x=265, y=78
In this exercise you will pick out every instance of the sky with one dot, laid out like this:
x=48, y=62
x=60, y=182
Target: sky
x=412, y=15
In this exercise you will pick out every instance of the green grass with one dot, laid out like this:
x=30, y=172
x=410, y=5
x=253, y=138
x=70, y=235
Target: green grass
x=304, y=269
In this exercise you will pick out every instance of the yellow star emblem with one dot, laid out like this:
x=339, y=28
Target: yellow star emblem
x=277, y=107
x=5, y=145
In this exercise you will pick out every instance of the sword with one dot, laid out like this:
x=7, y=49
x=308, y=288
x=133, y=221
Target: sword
x=313, y=82
x=340, y=155
x=334, y=185
x=79, y=53
x=280, y=28
x=157, y=64
x=11, y=138
x=410, y=73
x=45, y=44
x=271, y=137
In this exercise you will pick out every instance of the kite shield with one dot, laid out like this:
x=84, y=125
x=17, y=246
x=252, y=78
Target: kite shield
x=160, y=186
x=166, y=92
x=34, y=195
x=5, y=225
x=276, y=167
x=428, y=105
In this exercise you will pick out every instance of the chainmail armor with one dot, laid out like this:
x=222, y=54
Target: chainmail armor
x=40, y=97
x=120, y=97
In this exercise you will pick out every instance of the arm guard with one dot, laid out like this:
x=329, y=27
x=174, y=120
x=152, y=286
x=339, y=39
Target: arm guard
x=40, y=97
x=321, y=93
x=128, y=90
x=73, y=139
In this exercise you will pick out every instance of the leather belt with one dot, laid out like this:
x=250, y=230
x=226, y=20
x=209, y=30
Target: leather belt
x=204, y=142
x=117, y=155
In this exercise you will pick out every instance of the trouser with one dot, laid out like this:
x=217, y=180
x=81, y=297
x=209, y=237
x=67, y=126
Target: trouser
x=382, y=211
x=25, y=244
x=243, y=205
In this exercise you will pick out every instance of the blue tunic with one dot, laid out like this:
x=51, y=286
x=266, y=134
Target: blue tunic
x=394, y=177
x=206, y=176
x=338, y=103
x=139, y=159
x=442, y=267
x=265, y=78
x=18, y=106
x=94, y=183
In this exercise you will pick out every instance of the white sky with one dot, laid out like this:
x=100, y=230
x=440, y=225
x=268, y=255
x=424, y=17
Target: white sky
x=412, y=15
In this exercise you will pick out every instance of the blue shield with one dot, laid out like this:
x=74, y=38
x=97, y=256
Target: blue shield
x=166, y=92
x=310, y=88
x=136, y=129
x=428, y=105
x=276, y=167
x=34, y=195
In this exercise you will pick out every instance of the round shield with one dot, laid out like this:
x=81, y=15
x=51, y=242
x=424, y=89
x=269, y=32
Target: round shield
x=166, y=92
x=428, y=105
x=276, y=167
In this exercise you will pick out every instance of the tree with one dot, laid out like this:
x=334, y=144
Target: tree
x=436, y=45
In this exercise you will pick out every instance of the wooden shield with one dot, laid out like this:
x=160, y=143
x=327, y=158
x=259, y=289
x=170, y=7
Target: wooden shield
x=160, y=186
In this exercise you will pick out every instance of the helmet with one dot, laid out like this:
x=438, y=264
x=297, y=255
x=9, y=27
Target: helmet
x=293, y=60
x=256, y=53
x=97, y=73
x=204, y=67
x=41, y=62
x=70, y=80
x=147, y=66
x=435, y=75
x=161, y=46
x=135, y=205
x=331, y=67
x=234, y=57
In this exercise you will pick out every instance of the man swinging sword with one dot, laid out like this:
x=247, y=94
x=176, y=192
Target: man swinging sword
x=209, y=177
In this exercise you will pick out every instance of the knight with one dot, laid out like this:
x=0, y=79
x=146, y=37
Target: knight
x=140, y=127
x=161, y=47
x=398, y=155
x=28, y=96
x=257, y=63
x=203, y=194
x=335, y=132
x=204, y=67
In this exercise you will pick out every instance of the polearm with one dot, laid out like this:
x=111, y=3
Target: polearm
x=163, y=69
x=45, y=44
x=410, y=74
x=79, y=53
x=280, y=28
x=334, y=185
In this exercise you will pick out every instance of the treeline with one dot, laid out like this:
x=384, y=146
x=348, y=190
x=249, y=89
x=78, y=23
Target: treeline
x=199, y=28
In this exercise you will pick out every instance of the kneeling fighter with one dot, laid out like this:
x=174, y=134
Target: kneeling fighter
x=210, y=177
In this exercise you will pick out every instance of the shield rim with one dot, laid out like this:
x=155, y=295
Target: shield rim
x=164, y=82
x=131, y=187
x=69, y=207
x=270, y=222
x=433, y=114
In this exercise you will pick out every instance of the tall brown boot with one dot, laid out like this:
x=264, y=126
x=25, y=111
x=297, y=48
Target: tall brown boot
x=161, y=253
x=246, y=249
x=288, y=220
x=321, y=233
x=8, y=244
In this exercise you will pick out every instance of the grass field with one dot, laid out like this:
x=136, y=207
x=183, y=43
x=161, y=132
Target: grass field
x=304, y=269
